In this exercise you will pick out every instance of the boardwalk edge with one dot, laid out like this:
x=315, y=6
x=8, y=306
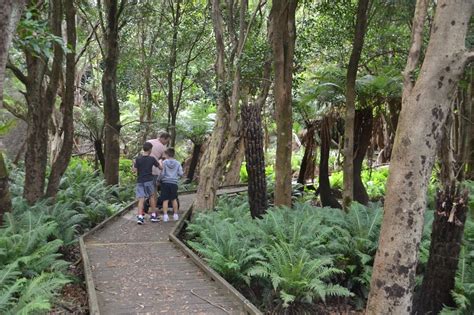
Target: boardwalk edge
x=173, y=237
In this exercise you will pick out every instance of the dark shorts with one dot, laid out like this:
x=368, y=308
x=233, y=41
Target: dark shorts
x=144, y=190
x=169, y=191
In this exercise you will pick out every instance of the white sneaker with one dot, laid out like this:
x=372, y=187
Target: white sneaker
x=175, y=217
x=165, y=218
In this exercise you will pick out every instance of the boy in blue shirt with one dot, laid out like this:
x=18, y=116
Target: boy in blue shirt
x=170, y=174
x=145, y=187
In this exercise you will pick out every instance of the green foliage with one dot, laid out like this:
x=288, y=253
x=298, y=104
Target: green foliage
x=296, y=276
x=306, y=253
x=374, y=181
x=31, y=268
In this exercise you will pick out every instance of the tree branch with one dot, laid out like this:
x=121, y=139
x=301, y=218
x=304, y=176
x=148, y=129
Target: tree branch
x=17, y=72
x=415, y=47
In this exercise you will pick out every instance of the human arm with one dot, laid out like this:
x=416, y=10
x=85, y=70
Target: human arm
x=180, y=171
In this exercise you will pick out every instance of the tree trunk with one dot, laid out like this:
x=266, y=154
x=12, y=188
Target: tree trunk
x=109, y=91
x=5, y=199
x=327, y=197
x=40, y=107
x=194, y=162
x=254, y=155
x=232, y=176
x=363, y=128
x=446, y=240
x=10, y=12
x=469, y=130
x=283, y=35
x=67, y=107
x=424, y=110
x=309, y=158
x=446, y=154
x=98, y=147
x=358, y=44
x=226, y=133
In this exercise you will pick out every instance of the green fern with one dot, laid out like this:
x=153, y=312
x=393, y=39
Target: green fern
x=296, y=276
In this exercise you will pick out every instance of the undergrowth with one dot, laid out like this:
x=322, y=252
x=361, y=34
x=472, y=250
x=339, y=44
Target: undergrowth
x=32, y=270
x=294, y=257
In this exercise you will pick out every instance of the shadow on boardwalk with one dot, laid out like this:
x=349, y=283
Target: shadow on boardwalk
x=137, y=270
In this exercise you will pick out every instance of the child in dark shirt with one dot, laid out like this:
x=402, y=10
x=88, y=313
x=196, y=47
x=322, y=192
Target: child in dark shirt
x=145, y=187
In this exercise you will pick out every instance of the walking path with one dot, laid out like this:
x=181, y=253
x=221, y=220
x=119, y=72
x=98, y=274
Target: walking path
x=137, y=270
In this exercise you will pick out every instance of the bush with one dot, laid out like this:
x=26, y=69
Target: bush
x=32, y=270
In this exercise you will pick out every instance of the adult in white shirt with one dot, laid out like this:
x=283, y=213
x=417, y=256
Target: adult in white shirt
x=159, y=147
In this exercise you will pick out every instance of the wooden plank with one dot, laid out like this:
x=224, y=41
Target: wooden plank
x=92, y=295
x=248, y=306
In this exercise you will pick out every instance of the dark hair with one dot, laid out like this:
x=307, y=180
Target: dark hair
x=170, y=152
x=147, y=146
x=165, y=135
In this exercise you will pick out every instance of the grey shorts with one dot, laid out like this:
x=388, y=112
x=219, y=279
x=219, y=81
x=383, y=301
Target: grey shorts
x=144, y=190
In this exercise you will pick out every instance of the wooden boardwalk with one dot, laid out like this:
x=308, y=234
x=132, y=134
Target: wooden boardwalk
x=137, y=270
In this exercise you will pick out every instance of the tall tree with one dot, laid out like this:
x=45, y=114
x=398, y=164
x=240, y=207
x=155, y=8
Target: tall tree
x=111, y=29
x=59, y=165
x=10, y=12
x=40, y=93
x=425, y=107
x=282, y=37
x=227, y=130
x=357, y=45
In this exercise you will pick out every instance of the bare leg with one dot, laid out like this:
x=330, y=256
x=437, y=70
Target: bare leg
x=153, y=203
x=175, y=205
x=141, y=202
x=165, y=207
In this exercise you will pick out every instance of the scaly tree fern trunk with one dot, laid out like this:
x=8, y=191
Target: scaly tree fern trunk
x=254, y=155
x=446, y=239
x=424, y=110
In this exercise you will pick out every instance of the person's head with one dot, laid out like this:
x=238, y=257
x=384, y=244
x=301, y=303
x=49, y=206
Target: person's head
x=147, y=147
x=169, y=153
x=165, y=138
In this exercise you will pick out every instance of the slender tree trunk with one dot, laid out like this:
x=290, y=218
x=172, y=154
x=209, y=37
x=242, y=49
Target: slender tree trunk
x=10, y=12
x=309, y=158
x=254, y=155
x=40, y=107
x=446, y=154
x=327, y=197
x=283, y=35
x=363, y=128
x=5, y=199
x=358, y=44
x=109, y=91
x=469, y=132
x=445, y=247
x=194, y=162
x=67, y=107
x=98, y=147
x=171, y=70
x=424, y=110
